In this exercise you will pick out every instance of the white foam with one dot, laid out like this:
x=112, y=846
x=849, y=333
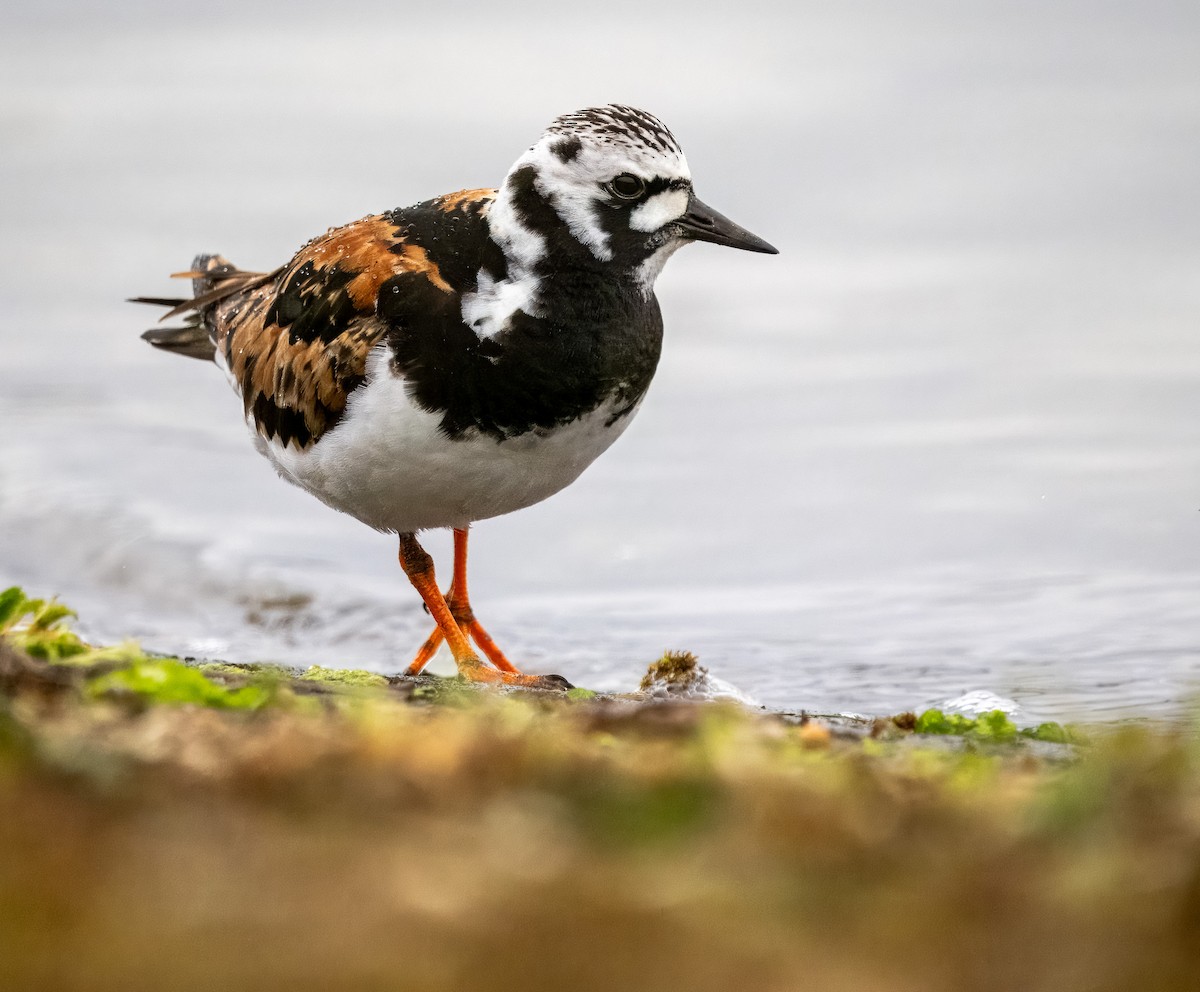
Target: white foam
x=980, y=701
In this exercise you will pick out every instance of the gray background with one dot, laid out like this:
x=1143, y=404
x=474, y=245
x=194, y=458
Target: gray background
x=948, y=440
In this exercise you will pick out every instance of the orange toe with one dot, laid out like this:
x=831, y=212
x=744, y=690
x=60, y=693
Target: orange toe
x=426, y=653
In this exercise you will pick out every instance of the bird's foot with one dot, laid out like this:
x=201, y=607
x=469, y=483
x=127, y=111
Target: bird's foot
x=456, y=623
x=473, y=668
x=479, y=672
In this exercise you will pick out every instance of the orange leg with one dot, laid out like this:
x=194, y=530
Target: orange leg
x=426, y=653
x=459, y=603
x=460, y=607
x=418, y=566
x=455, y=622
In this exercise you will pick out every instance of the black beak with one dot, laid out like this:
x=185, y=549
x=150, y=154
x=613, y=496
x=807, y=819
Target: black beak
x=702, y=223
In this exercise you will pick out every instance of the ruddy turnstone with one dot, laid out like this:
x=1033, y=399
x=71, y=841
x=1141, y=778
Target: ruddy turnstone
x=464, y=357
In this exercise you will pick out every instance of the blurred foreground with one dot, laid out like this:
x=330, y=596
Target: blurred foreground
x=282, y=833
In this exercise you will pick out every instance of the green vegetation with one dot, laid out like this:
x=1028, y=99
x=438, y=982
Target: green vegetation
x=345, y=677
x=994, y=726
x=167, y=681
x=35, y=626
x=271, y=830
x=675, y=668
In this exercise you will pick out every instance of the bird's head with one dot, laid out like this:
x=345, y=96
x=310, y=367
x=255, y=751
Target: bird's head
x=609, y=186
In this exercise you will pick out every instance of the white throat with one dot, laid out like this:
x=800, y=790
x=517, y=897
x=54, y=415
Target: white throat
x=649, y=270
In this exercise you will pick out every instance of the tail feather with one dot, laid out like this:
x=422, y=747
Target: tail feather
x=193, y=341
x=157, y=301
x=214, y=279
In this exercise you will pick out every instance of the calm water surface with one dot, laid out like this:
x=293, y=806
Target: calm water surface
x=947, y=441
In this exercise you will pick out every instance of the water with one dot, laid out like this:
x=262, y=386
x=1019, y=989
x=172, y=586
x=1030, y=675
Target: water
x=947, y=442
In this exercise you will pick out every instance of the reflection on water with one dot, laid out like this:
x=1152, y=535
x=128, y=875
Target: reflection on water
x=948, y=441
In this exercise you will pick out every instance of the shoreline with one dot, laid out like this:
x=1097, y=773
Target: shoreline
x=196, y=826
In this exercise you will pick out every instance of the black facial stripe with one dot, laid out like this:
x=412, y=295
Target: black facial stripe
x=614, y=223
x=653, y=187
x=660, y=184
x=530, y=206
x=538, y=215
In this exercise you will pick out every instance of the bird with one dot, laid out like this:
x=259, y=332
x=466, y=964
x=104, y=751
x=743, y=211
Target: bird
x=445, y=363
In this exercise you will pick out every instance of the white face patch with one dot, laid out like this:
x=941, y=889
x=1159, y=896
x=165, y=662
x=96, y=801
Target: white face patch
x=660, y=209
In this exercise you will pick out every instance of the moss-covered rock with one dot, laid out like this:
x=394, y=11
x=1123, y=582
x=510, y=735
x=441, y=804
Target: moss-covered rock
x=353, y=840
x=171, y=682
x=351, y=677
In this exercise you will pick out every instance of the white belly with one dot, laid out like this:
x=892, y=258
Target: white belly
x=388, y=463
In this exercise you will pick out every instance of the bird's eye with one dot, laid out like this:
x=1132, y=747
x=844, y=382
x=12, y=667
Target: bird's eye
x=627, y=187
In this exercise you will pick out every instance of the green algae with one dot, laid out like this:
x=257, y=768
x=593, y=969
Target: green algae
x=350, y=677
x=453, y=691
x=1055, y=733
x=39, y=628
x=674, y=668
x=171, y=682
x=260, y=671
x=993, y=727
x=36, y=626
